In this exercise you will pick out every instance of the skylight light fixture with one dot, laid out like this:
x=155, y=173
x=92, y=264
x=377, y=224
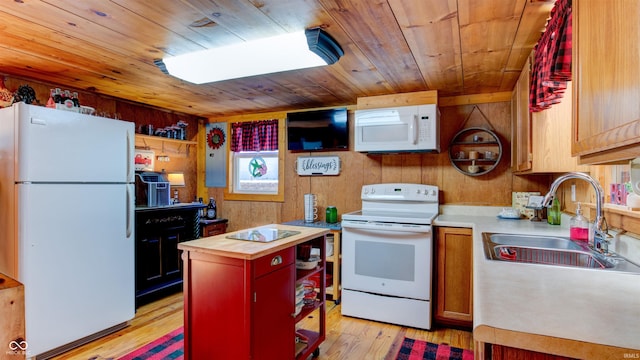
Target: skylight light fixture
x=300, y=50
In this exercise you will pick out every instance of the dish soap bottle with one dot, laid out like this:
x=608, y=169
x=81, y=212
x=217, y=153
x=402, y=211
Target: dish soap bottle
x=579, y=226
x=553, y=213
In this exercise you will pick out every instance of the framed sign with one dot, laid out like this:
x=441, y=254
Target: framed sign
x=144, y=160
x=318, y=165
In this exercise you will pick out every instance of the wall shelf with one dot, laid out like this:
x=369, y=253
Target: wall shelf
x=487, y=146
x=162, y=145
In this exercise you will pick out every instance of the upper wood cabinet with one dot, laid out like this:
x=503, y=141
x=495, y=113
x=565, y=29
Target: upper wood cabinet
x=541, y=140
x=521, y=121
x=606, y=73
x=550, y=138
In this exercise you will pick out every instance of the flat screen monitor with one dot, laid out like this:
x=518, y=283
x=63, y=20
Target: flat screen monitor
x=318, y=130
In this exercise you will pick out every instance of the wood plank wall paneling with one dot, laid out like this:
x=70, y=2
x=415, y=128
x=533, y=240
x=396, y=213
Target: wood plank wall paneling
x=343, y=191
x=139, y=114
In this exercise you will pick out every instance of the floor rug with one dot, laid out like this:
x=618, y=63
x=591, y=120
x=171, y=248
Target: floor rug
x=170, y=346
x=418, y=350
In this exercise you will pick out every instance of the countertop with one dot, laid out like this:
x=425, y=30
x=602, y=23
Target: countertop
x=7, y=282
x=317, y=224
x=179, y=206
x=593, y=306
x=249, y=250
x=213, y=221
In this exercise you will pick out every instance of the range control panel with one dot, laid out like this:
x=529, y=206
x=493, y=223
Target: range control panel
x=400, y=192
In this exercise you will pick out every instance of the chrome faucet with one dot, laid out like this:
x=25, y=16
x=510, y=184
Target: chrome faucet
x=600, y=230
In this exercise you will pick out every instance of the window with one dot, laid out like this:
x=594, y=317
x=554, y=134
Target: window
x=255, y=161
x=255, y=172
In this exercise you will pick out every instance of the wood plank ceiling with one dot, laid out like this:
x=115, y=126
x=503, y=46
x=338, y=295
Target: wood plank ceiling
x=458, y=47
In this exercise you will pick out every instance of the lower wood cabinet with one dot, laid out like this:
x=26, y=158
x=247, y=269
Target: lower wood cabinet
x=213, y=227
x=499, y=352
x=158, y=264
x=454, y=276
x=12, y=321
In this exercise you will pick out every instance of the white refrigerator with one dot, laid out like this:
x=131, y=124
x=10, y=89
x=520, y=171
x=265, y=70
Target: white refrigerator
x=67, y=222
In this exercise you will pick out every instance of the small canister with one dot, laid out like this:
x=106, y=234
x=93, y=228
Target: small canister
x=332, y=215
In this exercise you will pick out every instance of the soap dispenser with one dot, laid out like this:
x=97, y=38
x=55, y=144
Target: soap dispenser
x=553, y=213
x=579, y=226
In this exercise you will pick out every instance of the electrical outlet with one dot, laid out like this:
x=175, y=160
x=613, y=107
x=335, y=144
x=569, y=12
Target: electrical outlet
x=573, y=192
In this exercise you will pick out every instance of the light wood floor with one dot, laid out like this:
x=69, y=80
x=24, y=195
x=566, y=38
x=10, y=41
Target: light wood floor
x=347, y=338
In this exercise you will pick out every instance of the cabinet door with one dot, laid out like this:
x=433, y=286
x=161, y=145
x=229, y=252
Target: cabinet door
x=171, y=261
x=514, y=133
x=148, y=261
x=273, y=321
x=552, y=128
x=606, y=72
x=216, y=308
x=12, y=321
x=214, y=229
x=455, y=269
x=522, y=121
x=499, y=352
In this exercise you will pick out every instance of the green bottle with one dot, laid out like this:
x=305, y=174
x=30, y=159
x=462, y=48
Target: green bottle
x=553, y=213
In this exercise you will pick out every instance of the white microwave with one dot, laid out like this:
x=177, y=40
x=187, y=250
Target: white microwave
x=398, y=129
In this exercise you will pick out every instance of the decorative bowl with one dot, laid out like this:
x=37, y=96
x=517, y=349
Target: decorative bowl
x=307, y=265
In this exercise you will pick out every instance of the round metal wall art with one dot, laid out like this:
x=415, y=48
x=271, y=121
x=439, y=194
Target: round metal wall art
x=475, y=151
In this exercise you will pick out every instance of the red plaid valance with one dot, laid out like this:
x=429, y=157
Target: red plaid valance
x=552, y=64
x=254, y=136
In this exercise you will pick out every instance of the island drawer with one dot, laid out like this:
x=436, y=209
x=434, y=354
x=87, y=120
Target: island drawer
x=273, y=262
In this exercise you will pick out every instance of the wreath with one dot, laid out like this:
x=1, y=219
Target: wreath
x=215, y=138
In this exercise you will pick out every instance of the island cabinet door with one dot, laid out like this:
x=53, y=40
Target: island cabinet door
x=273, y=328
x=216, y=308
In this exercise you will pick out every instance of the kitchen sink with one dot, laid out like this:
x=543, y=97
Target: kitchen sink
x=551, y=250
x=547, y=242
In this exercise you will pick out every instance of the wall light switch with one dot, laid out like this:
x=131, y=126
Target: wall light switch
x=573, y=192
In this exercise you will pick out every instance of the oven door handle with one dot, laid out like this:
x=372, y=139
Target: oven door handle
x=381, y=226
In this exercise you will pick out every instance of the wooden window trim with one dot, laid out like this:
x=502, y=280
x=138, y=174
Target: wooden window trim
x=282, y=146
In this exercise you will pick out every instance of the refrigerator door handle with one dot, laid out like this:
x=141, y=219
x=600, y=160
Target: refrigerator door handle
x=130, y=213
x=129, y=158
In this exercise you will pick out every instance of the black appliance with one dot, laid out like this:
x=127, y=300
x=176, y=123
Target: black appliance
x=318, y=130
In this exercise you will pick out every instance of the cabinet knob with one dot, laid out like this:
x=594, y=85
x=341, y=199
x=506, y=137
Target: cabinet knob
x=277, y=260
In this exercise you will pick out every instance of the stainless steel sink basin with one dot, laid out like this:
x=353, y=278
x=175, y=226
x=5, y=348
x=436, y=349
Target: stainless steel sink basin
x=547, y=242
x=550, y=250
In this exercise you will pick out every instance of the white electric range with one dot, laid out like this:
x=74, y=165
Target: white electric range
x=387, y=254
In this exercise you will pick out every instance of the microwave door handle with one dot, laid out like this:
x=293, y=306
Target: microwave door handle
x=413, y=128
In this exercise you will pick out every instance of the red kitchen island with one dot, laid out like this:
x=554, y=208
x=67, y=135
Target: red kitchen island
x=240, y=294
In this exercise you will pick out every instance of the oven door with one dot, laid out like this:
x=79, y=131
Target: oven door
x=386, y=258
